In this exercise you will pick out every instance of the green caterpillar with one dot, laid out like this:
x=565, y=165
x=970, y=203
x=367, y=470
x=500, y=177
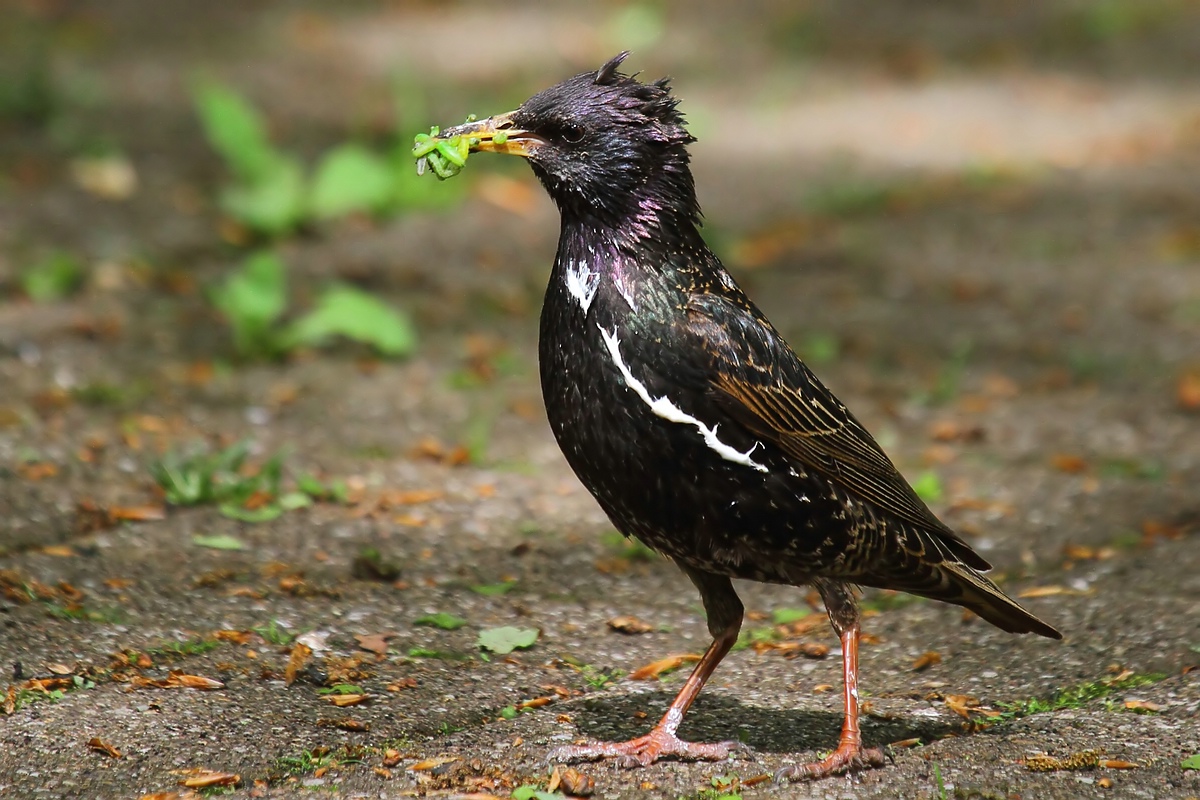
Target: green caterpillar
x=446, y=157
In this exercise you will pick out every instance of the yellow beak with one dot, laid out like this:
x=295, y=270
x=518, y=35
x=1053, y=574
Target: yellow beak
x=496, y=135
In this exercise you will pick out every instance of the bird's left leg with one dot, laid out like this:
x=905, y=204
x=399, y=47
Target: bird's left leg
x=724, y=611
x=850, y=755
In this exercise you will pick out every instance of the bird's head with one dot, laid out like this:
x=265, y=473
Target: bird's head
x=606, y=146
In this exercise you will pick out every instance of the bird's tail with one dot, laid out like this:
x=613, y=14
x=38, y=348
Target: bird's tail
x=964, y=586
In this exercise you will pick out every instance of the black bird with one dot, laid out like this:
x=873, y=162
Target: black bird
x=692, y=422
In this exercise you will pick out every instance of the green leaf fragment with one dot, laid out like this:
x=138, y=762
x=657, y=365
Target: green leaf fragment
x=219, y=542
x=350, y=179
x=784, y=616
x=447, y=622
x=1191, y=762
x=346, y=311
x=505, y=640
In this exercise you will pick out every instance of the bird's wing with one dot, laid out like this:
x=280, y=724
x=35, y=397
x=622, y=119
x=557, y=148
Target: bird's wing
x=763, y=385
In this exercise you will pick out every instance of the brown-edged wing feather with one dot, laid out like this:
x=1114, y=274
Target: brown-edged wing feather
x=764, y=386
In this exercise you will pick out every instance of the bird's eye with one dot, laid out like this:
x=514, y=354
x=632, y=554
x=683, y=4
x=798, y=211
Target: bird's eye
x=572, y=134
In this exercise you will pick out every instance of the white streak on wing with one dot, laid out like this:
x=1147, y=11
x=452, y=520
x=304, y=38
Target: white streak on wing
x=623, y=290
x=582, y=283
x=664, y=408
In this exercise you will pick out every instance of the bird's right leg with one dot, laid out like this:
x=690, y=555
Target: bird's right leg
x=724, y=611
x=850, y=754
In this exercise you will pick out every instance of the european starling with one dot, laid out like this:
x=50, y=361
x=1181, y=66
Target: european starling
x=689, y=418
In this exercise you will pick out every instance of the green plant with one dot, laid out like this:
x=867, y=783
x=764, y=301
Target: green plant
x=506, y=639
x=254, y=298
x=271, y=192
x=1072, y=697
x=447, y=622
x=274, y=633
x=55, y=276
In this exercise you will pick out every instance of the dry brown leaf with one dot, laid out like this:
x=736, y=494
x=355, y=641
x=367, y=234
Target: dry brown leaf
x=10, y=700
x=662, y=666
x=382, y=772
x=630, y=625
x=576, y=784
x=410, y=497
x=536, y=702
x=391, y=757
x=59, y=550
x=906, y=743
x=1142, y=705
x=927, y=660
x=59, y=669
x=138, y=513
x=1111, y=763
x=1187, y=391
x=432, y=763
x=400, y=685
x=1071, y=464
x=204, y=778
x=183, y=681
x=344, y=700
x=237, y=637
x=345, y=724
x=374, y=642
x=822, y=687
x=299, y=657
x=101, y=746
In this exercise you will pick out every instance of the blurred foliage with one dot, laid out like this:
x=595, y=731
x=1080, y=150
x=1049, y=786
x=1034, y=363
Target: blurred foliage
x=254, y=299
x=271, y=191
x=52, y=278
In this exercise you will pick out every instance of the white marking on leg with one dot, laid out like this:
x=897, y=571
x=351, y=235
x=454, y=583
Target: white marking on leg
x=664, y=408
x=582, y=283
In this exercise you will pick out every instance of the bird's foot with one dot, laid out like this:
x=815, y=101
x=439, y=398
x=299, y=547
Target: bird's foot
x=645, y=750
x=847, y=758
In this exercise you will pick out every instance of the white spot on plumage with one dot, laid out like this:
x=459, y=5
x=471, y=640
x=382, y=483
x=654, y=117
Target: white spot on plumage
x=623, y=290
x=582, y=283
x=663, y=407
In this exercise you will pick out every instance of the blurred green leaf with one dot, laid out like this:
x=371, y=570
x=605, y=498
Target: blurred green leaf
x=505, y=640
x=1191, y=762
x=219, y=542
x=346, y=311
x=928, y=487
x=784, y=616
x=272, y=203
x=350, y=178
x=251, y=300
x=52, y=278
x=447, y=622
x=235, y=130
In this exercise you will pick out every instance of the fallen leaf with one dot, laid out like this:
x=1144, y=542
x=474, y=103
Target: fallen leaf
x=576, y=784
x=352, y=725
x=504, y=640
x=630, y=625
x=299, y=657
x=237, y=637
x=662, y=667
x=1143, y=705
x=137, y=513
x=344, y=700
x=1072, y=465
x=181, y=680
x=59, y=669
x=101, y=746
x=432, y=763
x=926, y=660
x=536, y=702
x=219, y=542
x=59, y=550
x=204, y=778
x=1187, y=391
x=1114, y=763
x=374, y=642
